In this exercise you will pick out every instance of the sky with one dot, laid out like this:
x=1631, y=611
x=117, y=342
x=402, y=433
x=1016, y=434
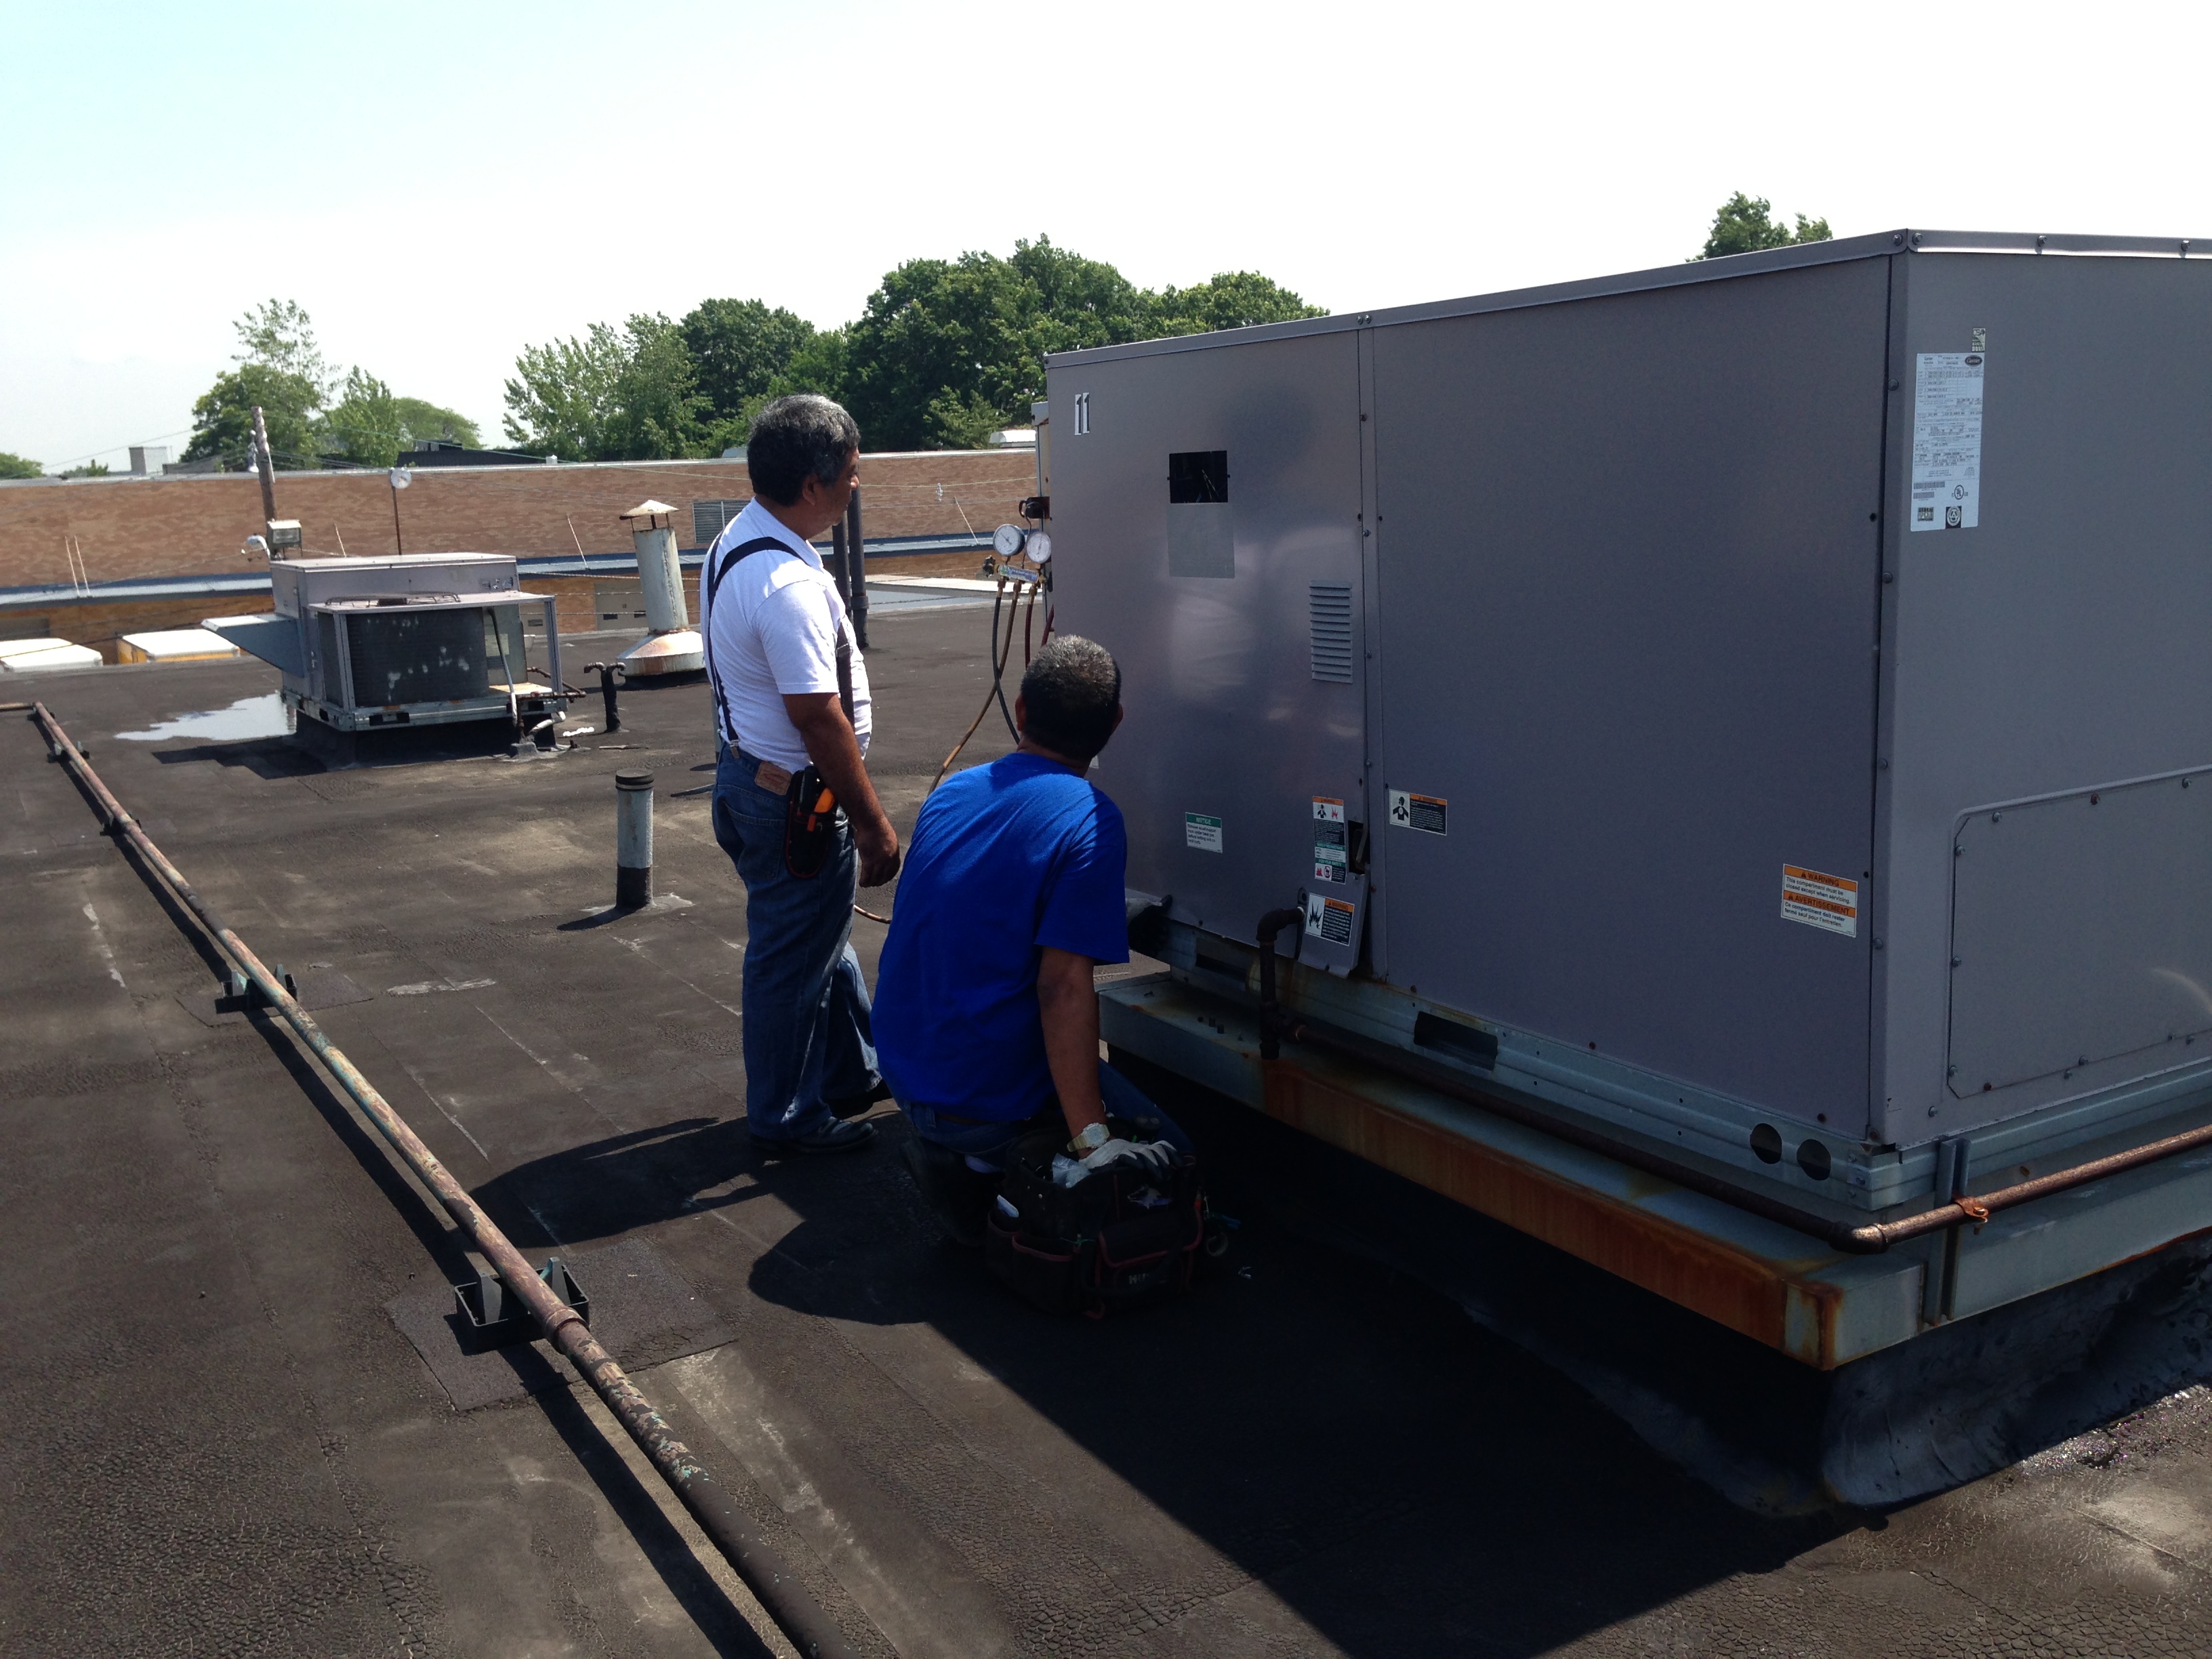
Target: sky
x=441, y=187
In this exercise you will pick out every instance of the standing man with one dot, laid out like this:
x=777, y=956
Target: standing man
x=985, y=1006
x=790, y=690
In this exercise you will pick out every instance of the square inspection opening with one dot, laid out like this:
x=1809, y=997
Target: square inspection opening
x=1198, y=475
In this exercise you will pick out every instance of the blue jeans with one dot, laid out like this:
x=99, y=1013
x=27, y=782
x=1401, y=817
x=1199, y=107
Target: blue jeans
x=805, y=1006
x=987, y=1143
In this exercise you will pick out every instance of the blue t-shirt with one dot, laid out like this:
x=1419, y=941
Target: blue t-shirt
x=1007, y=858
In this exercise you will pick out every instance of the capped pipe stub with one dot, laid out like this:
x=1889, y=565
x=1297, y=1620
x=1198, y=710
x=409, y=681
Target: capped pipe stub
x=633, y=781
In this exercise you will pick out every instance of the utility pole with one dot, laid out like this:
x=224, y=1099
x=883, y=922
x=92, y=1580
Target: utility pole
x=399, y=477
x=265, y=467
x=856, y=569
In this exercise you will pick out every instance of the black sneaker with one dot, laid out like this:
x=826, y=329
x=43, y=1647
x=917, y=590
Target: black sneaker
x=959, y=1196
x=829, y=1138
x=853, y=1105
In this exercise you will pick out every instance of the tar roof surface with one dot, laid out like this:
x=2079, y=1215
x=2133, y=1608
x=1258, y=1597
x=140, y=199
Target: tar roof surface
x=219, y=1439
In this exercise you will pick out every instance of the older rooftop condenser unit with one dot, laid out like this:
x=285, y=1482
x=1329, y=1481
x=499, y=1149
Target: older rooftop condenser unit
x=417, y=640
x=1759, y=711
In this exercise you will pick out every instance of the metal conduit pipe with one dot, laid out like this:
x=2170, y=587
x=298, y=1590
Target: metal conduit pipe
x=765, y=1573
x=1870, y=1238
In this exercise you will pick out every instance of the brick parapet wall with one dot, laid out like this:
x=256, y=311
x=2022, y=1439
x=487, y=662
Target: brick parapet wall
x=197, y=525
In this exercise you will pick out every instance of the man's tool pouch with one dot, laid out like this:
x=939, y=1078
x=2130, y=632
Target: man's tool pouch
x=1119, y=1237
x=810, y=824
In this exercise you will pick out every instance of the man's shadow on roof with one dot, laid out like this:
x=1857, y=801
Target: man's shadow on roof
x=622, y=1183
x=616, y=1185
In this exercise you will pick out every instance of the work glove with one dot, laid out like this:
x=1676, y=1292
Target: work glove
x=1150, y=1157
x=1153, y=1156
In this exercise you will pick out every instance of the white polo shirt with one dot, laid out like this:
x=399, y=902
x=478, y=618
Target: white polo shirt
x=771, y=630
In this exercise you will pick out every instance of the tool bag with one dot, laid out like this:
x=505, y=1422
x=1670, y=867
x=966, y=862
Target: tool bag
x=1122, y=1236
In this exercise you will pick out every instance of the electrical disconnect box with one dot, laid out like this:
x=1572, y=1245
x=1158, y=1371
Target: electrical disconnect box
x=1768, y=698
x=414, y=640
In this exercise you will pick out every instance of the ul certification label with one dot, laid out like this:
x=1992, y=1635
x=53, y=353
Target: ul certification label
x=1946, y=442
x=1425, y=812
x=1330, y=919
x=1818, y=900
x=1202, y=831
x=1331, y=848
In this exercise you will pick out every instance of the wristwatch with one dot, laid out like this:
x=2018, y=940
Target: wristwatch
x=1094, y=1136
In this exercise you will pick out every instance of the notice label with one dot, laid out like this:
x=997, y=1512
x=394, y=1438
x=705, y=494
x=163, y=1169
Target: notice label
x=1331, y=841
x=1818, y=900
x=1428, y=813
x=1202, y=831
x=1330, y=919
x=1946, y=442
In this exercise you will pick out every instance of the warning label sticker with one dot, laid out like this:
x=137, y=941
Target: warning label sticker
x=1946, y=442
x=1331, y=841
x=1330, y=919
x=1202, y=831
x=1818, y=900
x=1430, y=813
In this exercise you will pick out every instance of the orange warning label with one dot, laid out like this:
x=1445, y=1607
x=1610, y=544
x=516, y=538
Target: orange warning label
x=1818, y=900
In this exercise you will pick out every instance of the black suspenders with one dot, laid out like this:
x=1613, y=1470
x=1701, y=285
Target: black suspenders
x=762, y=545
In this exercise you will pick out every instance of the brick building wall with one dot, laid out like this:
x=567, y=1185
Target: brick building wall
x=197, y=525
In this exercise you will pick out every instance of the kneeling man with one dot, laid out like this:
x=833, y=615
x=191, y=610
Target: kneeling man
x=986, y=1021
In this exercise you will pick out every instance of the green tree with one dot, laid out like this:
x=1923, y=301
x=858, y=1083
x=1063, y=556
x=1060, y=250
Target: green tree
x=420, y=421
x=279, y=334
x=563, y=394
x=1744, y=224
x=280, y=367
x=948, y=351
x=89, y=469
x=222, y=417
x=1234, y=299
x=364, y=425
x=609, y=395
x=16, y=466
x=739, y=348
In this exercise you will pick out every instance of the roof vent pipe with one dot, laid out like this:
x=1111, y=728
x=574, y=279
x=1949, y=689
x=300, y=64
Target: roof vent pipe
x=633, y=840
x=673, y=645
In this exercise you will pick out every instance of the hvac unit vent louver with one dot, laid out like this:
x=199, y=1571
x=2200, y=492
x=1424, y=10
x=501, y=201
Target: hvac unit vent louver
x=429, y=656
x=1329, y=605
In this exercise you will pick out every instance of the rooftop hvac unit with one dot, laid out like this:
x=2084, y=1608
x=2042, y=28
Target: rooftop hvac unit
x=417, y=639
x=1758, y=709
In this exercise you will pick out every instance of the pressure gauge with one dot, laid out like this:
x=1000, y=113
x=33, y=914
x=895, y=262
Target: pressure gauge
x=1040, y=545
x=1008, y=538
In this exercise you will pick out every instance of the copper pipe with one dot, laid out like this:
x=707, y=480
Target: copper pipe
x=796, y=1613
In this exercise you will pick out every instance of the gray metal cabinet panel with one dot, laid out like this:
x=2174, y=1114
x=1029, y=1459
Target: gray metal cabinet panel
x=1629, y=570
x=2063, y=644
x=1226, y=719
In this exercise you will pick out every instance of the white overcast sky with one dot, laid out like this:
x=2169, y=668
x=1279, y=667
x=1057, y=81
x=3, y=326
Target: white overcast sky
x=441, y=186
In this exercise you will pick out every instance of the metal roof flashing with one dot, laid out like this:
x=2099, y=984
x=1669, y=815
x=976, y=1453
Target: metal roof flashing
x=1879, y=245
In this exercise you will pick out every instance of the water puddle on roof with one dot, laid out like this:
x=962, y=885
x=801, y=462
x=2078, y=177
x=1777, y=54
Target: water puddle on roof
x=263, y=716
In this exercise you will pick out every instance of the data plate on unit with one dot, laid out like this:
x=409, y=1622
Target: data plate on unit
x=2078, y=931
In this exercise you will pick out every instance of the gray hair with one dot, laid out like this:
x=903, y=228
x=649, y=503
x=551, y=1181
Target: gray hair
x=797, y=437
x=1071, y=692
